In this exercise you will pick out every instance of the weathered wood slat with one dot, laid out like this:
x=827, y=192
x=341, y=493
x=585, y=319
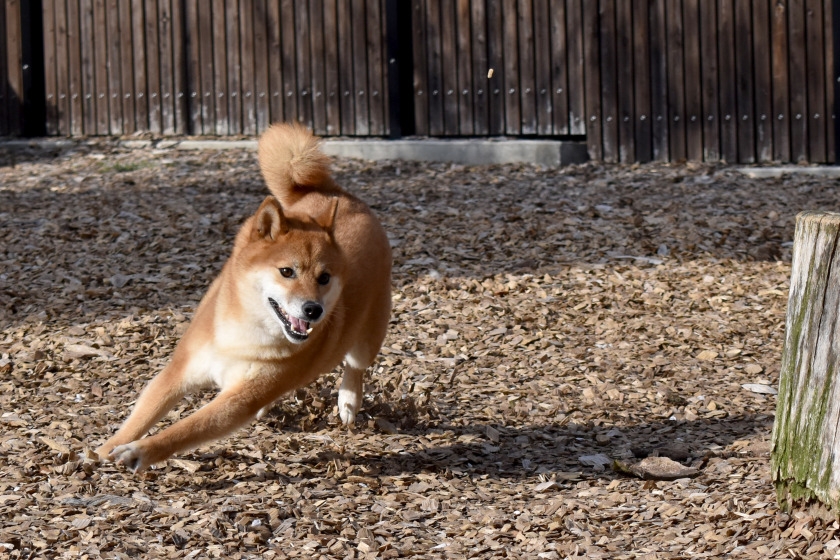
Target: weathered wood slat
x=375, y=64
x=449, y=68
x=248, y=95
x=75, y=70
x=693, y=81
x=481, y=84
x=275, y=61
x=153, y=66
x=362, y=92
x=814, y=49
x=6, y=102
x=234, y=67
x=331, y=72
x=50, y=55
x=676, y=79
x=576, y=67
x=316, y=54
x=527, y=84
x=709, y=69
x=798, y=82
x=126, y=88
x=745, y=90
x=262, y=92
x=193, y=68
x=115, y=66
x=139, y=69
x=830, y=81
x=542, y=78
x=780, y=85
x=496, y=62
x=62, y=102
x=642, y=81
x=290, y=85
x=592, y=79
x=560, y=62
x=100, y=57
x=511, y=89
x=728, y=81
x=660, y=111
x=805, y=439
x=762, y=67
x=464, y=90
x=625, y=70
x=347, y=88
x=609, y=81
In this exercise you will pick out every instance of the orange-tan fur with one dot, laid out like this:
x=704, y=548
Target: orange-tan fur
x=340, y=260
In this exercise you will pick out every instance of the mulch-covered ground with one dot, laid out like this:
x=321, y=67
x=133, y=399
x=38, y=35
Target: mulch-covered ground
x=551, y=329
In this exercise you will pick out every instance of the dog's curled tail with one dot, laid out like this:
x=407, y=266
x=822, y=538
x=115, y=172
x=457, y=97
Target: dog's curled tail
x=292, y=163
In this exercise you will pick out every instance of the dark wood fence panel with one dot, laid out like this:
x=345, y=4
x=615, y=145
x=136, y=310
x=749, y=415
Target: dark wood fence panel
x=738, y=81
x=215, y=67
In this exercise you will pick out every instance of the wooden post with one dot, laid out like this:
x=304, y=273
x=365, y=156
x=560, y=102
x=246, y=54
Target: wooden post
x=805, y=459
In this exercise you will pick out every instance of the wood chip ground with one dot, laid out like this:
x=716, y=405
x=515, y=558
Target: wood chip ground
x=547, y=324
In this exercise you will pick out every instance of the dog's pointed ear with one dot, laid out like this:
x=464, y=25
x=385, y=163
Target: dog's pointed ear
x=269, y=222
x=327, y=219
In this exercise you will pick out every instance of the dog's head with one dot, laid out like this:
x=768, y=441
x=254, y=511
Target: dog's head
x=295, y=266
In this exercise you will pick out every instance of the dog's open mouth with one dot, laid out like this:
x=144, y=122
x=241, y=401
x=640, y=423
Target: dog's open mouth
x=296, y=329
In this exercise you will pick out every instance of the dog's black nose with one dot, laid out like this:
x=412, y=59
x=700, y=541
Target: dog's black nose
x=312, y=310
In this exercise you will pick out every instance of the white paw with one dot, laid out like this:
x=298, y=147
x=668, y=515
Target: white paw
x=131, y=455
x=348, y=405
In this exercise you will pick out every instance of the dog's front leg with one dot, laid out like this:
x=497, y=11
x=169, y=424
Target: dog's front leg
x=231, y=409
x=161, y=394
x=350, y=394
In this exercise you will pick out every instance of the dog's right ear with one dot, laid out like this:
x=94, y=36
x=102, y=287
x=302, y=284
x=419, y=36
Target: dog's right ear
x=270, y=223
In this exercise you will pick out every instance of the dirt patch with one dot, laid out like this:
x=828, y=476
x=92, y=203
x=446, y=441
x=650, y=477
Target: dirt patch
x=548, y=326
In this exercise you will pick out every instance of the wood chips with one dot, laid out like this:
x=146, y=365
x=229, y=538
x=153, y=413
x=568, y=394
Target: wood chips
x=548, y=324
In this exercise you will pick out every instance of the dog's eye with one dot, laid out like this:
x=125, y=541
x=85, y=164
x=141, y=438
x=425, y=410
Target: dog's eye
x=324, y=279
x=287, y=272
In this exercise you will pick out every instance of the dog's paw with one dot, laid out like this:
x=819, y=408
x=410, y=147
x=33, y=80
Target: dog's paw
x=131, y=455
x=348, y=405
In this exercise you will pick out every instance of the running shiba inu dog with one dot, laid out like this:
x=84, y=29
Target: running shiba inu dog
x=308, y=285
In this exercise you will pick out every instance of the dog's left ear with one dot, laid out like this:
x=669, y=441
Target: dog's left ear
x=269, y=221
x=327, y=219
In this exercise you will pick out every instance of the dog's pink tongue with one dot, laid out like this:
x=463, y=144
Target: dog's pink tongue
x=298, y=325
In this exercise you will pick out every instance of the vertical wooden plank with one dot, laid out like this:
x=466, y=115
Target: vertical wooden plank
x=592, y=79
x=179, y=71
x=762, y=76
x=51, y=59
x=205, y=53
x=360, y=77
x=512, y=79
x=153, y=70
x=464, y=92
x=710, y=82
x=220, y=82
x=728, y=80
x=5, y=101
x=234, y=67
x=139, y=70
x=676, y=79
x=332, y=88
x=559, y=86
x=496, y=62
x=249, y=85
x=420, y=67
x=193, y=91
x=126, y=68
x=317, y=68
x=626, y=84
x=542, y=57
x=693, y=81
x=262, y=91
x=780, y=86
x=815, y=53
x=385, y=69
x=62, y=49
x=480, y=68
x=100, y=57
x=609, y=82
x=435, y=67
x=527, y=82
x=745, y=86
x=378, y=115
x=641, y=81
x=114, y=64
x=88, y=90
x=303, y=63
x=576, y=88
x=287, y=34
x=74, y=70
x=275, y=61
x=660, y=109
x=449, y=69
x=828, y=58
x=798, y=81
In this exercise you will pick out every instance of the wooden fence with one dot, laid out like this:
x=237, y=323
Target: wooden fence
x=734, y=80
